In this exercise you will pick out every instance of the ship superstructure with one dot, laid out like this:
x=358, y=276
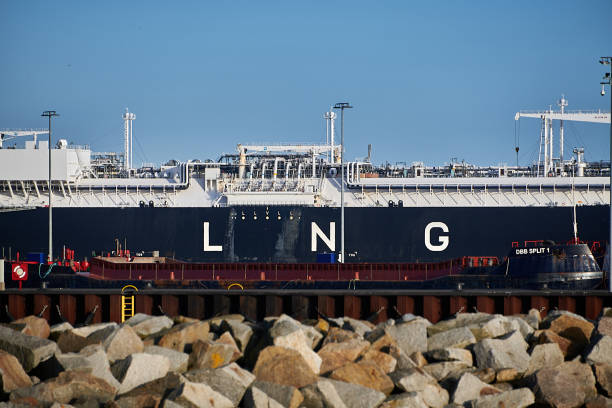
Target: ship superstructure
x=278, y=183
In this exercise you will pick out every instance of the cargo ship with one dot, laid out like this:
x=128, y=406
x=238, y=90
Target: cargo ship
x=282, y=203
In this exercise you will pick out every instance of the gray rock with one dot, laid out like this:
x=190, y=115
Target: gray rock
x=285, y=395
x=256, y=398
x=507, y=352
x=496, y=326
x=452, y=354
x=139, y=368
x=405, y=400
x=341, y=394
x=519, y=398
x=29, y=350
x=241, y=332
x=434, y=396
x=91, y=359
x=284, y=326
x=603, y=372
x=533, y=318
x=287, y=332
x=524, y=327
x=404, y=362
x=230, y=381
x=178, y=361
x=601, y=351
x=456, y=338
x=410, y=336
x=357, y=326
x=544, y=355
x=199, y=395
x=118, y=342
x=469, y=387
x=313, y=335
x=446, y=368
x=145, y=325
x=413, y=379
x=171, y=404
x=86, y=331
x=312, y=397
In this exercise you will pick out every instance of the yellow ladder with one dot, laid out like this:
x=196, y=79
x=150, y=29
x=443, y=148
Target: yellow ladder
x=127, y=302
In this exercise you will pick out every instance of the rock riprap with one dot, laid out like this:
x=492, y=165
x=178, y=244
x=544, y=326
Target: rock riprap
x=470, y=360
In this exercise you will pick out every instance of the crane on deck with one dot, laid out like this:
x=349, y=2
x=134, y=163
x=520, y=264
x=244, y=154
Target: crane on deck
x=546, y=133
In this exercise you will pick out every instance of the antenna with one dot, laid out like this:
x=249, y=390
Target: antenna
x=575, y=223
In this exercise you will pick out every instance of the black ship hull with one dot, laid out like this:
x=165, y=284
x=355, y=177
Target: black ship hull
x=298, y=234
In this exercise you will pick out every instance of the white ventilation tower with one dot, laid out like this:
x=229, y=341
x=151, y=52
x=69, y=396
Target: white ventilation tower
x=127, y=136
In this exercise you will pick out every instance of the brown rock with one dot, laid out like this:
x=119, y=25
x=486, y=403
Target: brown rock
x=569, y=385
x=209, y=354
x=549, y=336
x=68, y=386
x=336, y=335
x=603, y=372
x=419, y=359
x=384, y=341
x=34, y=326
x=578, y=331
x=155, y=390
x=322, y=326
x=604, y=326
x=69, y=342
x=137, y=401
x=507, y=375
x=185, y=333
x=599, y=402
x=382, y=360
x=190, y=394
x=486, y=375
x=281, y=365
x=335, y=355
x=366, y=374
x=12, y=375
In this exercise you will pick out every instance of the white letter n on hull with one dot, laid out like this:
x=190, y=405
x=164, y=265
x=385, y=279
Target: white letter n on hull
x=316, y=232
x=207, y=246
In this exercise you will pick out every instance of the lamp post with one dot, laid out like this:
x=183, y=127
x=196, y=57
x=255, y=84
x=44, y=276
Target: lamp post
x=50, y=114
x=342, y=106
x=607, y=80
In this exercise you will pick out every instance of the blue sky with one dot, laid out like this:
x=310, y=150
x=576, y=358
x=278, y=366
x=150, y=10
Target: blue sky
x=428, y=80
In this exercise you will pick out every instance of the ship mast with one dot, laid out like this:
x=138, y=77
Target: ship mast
x=128, y=118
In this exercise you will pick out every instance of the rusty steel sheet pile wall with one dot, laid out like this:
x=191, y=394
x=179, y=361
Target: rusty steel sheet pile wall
x=75, y=306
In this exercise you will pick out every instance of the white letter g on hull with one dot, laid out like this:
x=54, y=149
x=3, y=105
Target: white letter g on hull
x=443, y=239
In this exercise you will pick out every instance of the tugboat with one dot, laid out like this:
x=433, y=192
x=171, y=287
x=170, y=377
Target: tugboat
x=538, y=265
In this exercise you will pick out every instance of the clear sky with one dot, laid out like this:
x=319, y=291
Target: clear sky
x=429, y=80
